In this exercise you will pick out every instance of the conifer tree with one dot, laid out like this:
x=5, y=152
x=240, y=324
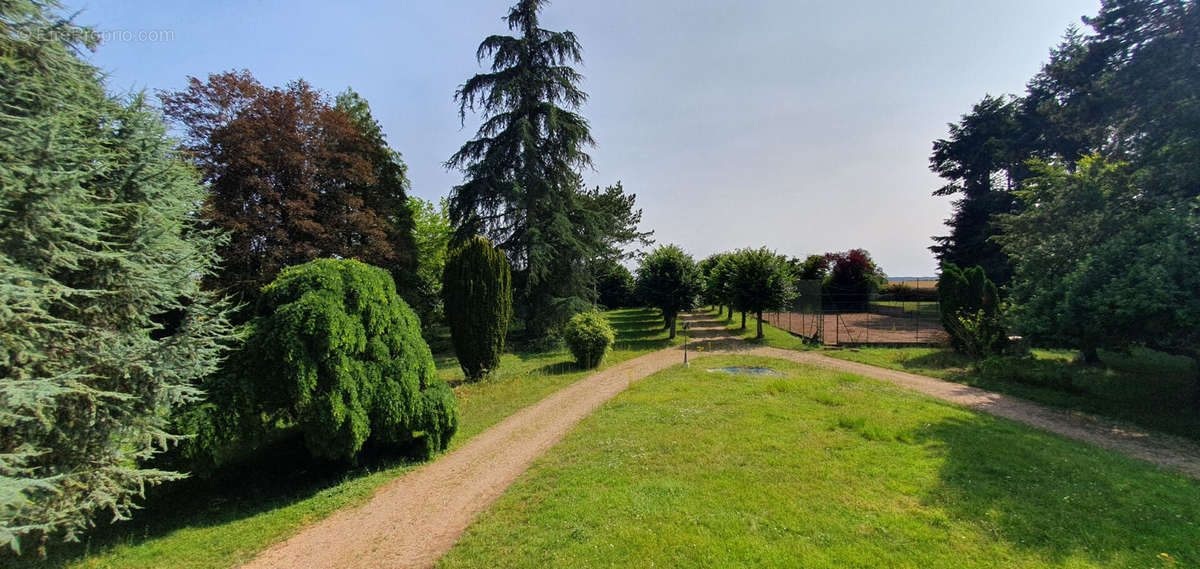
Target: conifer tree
x=104, y=327
x=522, y=187
x=478, y=292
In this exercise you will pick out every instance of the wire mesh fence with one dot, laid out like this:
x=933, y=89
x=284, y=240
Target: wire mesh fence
x=848, y=319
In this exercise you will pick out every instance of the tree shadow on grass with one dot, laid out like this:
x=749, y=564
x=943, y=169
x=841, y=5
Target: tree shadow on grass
x=1061, y=499
x=939, y=360
x=278, y=476
x=1158, y=401
x=559, y=368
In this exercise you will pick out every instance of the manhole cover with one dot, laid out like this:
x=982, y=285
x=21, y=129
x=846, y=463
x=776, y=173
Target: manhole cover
x=746, y=370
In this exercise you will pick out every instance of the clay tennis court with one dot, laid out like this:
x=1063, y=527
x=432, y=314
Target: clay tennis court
x=890, y=327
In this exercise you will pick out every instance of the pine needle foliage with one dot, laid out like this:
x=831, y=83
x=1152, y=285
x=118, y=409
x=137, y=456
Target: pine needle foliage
x=521, y=169
x=335, y=351
x=477, y=285
x=104, y=328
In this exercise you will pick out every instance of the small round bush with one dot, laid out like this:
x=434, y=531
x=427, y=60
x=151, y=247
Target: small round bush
x=336, y=352
x=589, y=336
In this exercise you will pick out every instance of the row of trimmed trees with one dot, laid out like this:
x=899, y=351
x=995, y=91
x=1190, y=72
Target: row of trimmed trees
x=749, y=280
x=752, y=281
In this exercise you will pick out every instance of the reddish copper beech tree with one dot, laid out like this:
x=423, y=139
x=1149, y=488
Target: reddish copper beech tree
x=291, y=178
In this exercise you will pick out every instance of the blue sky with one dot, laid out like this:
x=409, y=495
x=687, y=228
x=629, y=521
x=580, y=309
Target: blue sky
x=802, y=126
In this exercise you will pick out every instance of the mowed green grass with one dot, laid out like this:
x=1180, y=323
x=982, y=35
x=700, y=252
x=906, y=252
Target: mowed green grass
x=1150, y=389
x=818, y=469
x=221, y=523
x=772, y=336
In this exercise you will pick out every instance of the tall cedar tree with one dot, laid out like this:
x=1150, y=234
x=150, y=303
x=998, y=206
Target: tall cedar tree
x=104, y=326
x=292, y=178
x=521, y=168
x=979, y=160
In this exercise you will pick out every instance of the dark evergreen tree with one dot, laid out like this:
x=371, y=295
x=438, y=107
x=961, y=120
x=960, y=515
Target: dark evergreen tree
x=981, y=160
x=614, y=285
x=105, y=327
x=521, y=181
x=478, y=297
x=970, y=310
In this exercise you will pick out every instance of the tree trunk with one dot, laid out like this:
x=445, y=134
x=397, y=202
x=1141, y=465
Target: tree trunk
x=1196, y=391
x=760, y=334
x=720, y=310
x=743, y=320
x=730, y=318
x=1091, y=355
x=671, y=325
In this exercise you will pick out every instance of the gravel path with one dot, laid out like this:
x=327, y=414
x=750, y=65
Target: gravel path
x=415, y=519
x=1164, y=450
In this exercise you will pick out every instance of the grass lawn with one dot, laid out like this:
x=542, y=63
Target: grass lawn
x=1149, y=389
x=772, y=336
x=203, y=524
x=925, y=308
x=819, y=469
x=1146, y=388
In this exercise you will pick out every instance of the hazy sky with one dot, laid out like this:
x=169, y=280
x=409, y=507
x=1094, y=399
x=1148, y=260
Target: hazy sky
x=803, y=126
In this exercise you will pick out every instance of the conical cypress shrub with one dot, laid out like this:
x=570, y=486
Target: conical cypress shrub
x=477, y=287
x=970, y=310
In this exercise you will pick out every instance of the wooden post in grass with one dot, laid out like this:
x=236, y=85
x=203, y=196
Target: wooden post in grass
x=685, y=343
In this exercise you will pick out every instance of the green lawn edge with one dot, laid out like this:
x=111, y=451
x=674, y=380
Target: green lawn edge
x=220, y=534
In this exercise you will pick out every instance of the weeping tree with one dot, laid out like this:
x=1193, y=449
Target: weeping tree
x=104, y=328
x=477, y=285
x=335, y=351
x=521, y=180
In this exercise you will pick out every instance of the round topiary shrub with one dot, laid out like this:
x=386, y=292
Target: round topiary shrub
x=477, y=287
x=334, y=351
x=588, y=335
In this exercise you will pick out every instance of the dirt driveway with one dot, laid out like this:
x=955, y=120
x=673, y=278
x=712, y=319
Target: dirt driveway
x=415, y=519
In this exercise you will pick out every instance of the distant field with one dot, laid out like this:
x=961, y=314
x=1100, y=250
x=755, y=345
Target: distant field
x=916, y=283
